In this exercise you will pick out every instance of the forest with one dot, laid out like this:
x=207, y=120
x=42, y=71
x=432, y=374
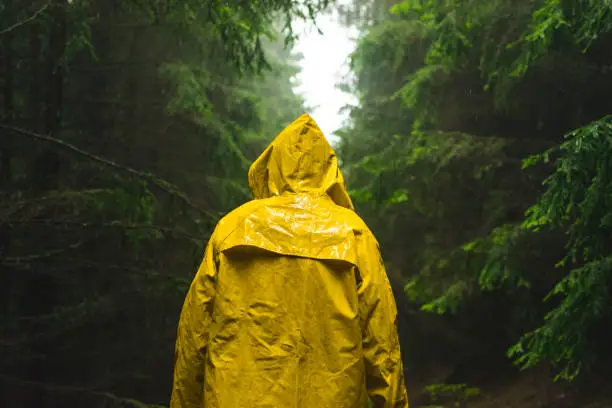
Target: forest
x=479, y=152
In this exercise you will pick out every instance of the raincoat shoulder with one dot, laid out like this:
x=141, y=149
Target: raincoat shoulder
x=232, y=220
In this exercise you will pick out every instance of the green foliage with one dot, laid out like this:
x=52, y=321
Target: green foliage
x=443, y=155
x=236, y=28
x=578, y=192
x=578, y=196
x=451, y=395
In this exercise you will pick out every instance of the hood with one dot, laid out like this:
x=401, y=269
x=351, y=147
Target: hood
x=299, y=160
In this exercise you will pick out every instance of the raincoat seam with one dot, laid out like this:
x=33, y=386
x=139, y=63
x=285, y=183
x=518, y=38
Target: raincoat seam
x=239, y=222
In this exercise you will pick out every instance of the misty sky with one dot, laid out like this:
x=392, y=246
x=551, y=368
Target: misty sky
x=324, y=64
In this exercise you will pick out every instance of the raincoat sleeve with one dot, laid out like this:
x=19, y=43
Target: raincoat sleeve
x=193, y=334
x=378, y=311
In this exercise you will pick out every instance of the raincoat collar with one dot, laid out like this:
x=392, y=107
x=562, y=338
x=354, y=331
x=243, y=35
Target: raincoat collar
x=299, y=160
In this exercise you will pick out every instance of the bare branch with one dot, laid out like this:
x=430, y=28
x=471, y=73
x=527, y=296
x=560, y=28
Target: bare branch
x=62, y=389
x=112, y=224
x=10, y=260
x=118, y=102
x=27, y=20
x=10, y=207
x=146, y=273
x=159, y=182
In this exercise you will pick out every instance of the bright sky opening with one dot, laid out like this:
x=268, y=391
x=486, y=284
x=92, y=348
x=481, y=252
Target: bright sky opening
x=324, y=65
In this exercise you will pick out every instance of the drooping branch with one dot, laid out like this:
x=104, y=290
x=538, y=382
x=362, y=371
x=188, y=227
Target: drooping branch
x=25, y=21
x=159, y=182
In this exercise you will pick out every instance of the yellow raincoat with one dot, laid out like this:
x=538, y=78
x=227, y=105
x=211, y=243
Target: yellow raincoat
x=291, y=307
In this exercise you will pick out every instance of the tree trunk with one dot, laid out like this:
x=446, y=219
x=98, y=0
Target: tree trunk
x=6, y=150
x=45, y=177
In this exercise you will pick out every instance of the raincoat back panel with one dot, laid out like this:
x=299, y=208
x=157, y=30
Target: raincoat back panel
x=286, y=332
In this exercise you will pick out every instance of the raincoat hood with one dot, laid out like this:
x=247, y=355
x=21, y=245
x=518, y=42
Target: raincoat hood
x=299, y=160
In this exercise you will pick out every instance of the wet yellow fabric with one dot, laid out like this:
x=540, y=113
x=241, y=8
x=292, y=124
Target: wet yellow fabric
x=291, y=306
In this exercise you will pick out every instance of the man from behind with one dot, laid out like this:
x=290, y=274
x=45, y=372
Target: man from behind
x=291, y=306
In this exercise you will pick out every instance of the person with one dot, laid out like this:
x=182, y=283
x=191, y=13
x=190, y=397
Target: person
x=291, y=306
